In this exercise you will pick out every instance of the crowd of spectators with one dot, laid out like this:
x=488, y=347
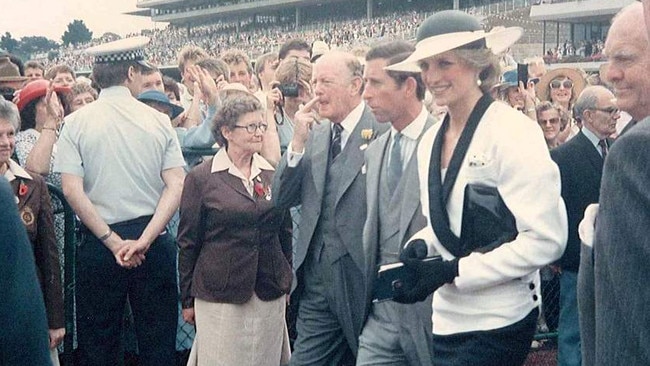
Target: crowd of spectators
x=590, y=50
x=255, y=38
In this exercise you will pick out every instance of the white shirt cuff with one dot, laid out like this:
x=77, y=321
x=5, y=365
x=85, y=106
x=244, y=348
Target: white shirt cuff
x=293, y=158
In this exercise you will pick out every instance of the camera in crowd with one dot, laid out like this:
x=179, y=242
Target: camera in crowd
x=289, y=90
x=7, y=93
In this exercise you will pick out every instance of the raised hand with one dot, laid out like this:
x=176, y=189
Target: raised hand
x=304, y=119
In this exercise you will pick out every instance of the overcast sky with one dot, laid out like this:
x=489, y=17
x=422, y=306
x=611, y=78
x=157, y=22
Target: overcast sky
x=50, y=18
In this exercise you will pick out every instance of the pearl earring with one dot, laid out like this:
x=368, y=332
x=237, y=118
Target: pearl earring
x=479, y=82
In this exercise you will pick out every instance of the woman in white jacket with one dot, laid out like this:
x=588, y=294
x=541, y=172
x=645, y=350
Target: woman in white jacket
x=486, y=297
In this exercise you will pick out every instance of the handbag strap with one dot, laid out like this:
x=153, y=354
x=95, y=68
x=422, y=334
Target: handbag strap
x=438, y=191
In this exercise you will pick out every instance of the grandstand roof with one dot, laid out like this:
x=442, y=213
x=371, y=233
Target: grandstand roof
x=578, y=11
x=205, y=9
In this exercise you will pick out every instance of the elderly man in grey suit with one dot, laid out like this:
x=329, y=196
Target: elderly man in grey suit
x=581, y=166
x=395, y=334
x=321, y=170
x=620, y=318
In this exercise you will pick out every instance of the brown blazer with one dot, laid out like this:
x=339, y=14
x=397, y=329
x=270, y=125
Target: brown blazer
x=231, y=244
x=35, y=211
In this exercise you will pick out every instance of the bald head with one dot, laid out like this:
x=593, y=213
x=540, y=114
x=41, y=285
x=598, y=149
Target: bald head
x=347, y=61
x=597, y=109
x=628, y=51
x=338, y=84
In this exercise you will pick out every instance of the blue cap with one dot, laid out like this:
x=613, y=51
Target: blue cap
x=509, y=79
x=160, y=97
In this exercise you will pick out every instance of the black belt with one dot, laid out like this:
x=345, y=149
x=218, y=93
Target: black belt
x=118, y=227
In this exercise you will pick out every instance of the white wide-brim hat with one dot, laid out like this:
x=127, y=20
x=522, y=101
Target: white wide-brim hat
x=452, y=29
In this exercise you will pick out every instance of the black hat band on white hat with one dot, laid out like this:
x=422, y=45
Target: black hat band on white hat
x=133, y=55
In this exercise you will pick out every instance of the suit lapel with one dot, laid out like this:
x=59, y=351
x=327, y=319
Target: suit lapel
x=352, y=153
x=15, y=186
x=319, y=155
x=411, y=188
x=235, y=183
x=375, y=156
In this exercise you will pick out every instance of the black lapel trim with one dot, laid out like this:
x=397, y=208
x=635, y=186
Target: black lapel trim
x=438, y=191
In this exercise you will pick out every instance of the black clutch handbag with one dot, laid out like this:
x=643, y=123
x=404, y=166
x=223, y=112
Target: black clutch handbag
x=487, y=222
x=393, y=278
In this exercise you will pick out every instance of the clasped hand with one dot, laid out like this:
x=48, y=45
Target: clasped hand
x=128, y=253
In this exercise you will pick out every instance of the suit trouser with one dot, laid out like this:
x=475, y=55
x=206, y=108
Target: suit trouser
x=397, y=334
x=507, y=346
x=322, y=338
x=586, y=305
x=102, y=287
x=569, y=325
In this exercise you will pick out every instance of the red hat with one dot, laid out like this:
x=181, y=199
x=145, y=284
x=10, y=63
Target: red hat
x=35, y=89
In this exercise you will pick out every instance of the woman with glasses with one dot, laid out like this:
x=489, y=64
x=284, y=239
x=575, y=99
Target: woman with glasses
x=562, y=87
x=552, y=119
x=235, y=247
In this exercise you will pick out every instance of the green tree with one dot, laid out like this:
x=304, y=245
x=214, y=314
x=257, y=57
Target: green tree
x=77, y=33
x=31, y=45
x=8, y=43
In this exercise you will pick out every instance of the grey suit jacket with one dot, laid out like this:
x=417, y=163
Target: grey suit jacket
x=410, y=202
x=622, y=253
x=305, y=185
x=416, y=319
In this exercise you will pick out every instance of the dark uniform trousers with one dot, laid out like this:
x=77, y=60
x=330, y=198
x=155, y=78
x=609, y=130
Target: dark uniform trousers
x=102, y=287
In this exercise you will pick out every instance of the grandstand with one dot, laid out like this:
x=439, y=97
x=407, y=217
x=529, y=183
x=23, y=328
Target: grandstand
x=188, y=12
x=269, y=26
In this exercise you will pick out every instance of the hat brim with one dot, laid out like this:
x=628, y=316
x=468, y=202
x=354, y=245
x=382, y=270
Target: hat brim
x=579, y=82
x=505, y=85
x=24, y=97
x=13, y=78
x=176, y=110
x=497, y=41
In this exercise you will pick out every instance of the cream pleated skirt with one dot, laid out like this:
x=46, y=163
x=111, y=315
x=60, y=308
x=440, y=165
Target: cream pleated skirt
x=253, y=334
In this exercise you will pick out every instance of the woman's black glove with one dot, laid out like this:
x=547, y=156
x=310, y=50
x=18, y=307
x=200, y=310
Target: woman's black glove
x=429, y=275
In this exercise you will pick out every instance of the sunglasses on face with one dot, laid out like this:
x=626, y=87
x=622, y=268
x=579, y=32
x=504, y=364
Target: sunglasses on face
x=552, y=121
x=566, y=84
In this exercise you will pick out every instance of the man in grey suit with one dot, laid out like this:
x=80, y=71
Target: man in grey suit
x=622, y=238
x=321, y=170
x=395, y=334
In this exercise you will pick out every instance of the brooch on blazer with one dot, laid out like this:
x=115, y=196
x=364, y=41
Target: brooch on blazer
x=477, y=160
x=27, y=215
x=367, y=134
x=22, y=191
x=261, y=190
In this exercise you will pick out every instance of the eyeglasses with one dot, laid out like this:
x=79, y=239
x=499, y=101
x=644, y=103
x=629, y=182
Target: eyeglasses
x=251, y=128
x=609, y=110
x=566, y=84
x=552, y=121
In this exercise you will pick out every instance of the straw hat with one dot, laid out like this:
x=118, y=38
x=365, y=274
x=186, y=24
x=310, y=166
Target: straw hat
x=542, y=89
x=452, y=29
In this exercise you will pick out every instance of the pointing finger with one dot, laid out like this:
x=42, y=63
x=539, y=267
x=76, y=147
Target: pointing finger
x=310, y=105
